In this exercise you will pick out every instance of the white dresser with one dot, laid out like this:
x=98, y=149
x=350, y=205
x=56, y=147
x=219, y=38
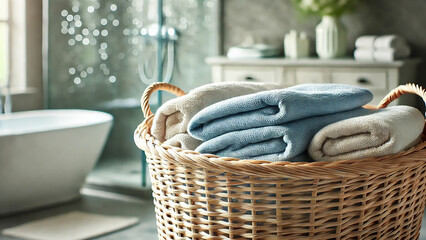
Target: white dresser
x=378, y=77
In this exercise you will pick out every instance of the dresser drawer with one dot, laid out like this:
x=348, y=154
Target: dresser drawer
x=374, y=80
x=254, y=74
x=303, y=76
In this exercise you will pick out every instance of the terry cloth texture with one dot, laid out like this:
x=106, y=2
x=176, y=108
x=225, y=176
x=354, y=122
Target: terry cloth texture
x=172, y=118
x=273, y=143
x=387, y=131
x=275, y=107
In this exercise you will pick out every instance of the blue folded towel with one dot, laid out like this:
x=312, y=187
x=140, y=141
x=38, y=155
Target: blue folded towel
x=274, y=143
x=275, y=107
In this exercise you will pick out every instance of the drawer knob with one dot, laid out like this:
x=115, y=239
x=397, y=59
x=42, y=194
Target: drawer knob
x=363, y=81
x=249, y=78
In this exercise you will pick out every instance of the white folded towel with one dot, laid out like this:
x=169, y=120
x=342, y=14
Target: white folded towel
x=171, y=119
x=365, y=41
x=386, y=131
x=364, y=54
x=390, y=54
x=381, y=54
x=389, y=41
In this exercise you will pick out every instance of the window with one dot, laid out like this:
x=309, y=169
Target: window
x=4, y=41
x=12, y=43
x=21, y=52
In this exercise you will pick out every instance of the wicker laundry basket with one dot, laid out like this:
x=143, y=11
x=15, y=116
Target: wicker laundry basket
x=202, y=196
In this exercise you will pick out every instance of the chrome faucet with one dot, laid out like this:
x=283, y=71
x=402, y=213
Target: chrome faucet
x=1, y=101
x=6, y=106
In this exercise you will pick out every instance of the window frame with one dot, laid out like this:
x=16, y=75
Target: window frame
x=25, y=58
x=8, y=21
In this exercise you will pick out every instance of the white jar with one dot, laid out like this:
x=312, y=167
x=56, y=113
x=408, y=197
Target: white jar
x=330, y=38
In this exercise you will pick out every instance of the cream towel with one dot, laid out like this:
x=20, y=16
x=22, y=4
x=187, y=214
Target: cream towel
x=172, y=118
x=387, y=131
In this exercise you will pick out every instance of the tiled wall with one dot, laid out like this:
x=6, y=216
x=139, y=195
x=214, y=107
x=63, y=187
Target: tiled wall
x=269, y=20
x=94, y=54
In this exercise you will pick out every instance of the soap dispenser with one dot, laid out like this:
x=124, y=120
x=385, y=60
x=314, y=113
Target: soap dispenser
x=296, y=45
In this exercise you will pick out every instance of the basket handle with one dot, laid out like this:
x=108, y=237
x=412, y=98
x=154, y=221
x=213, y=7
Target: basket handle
x=401, y=90
x=156, y=87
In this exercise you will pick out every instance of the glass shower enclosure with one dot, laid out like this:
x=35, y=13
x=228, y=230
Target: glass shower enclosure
x=102, y=54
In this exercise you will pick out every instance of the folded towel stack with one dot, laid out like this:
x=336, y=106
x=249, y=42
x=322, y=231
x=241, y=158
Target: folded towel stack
x=172, y=118
x=386, y=131
x=275, y=125
x=385, y=48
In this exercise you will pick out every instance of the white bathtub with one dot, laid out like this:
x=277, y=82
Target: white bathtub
x=45, y=155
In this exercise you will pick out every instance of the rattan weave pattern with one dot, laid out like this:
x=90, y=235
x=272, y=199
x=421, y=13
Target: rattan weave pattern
x=201, y=196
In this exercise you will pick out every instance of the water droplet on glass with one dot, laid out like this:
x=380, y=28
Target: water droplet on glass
x=93, y=41
x=110, y=17
x=96, y=32
x=70, y=18
x=64, y=13
x=83, y=74
x=102, y=66
x=90, y=9
x=78, y=37
x=106, y=72
x=85, y=31
x=78, y=23
x=71, y=31
x=89, y=70
x=75, y=8
x=71, y=42
x=77, y=17
x=77, y=80
x=64, y=24
x=104, y=56
x=115, y=23
x=104, y=21
x=64, y=30
x=112, y=79
x=104, y=33
x=71, y=70
x=80, y=68
x=113, y=7
x=86, y=41
x=104, y=45
x=183, y=26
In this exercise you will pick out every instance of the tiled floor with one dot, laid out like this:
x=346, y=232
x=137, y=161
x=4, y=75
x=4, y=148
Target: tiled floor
x=108, y=204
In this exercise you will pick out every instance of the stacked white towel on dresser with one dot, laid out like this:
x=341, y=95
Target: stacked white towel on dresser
x=385, y=48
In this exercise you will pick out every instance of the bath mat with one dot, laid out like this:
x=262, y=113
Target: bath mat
x=70, y=226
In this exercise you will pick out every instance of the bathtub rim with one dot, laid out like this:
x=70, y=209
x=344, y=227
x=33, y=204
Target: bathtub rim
x=103, y=119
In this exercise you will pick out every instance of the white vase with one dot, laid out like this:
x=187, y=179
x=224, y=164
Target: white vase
x=330, y=38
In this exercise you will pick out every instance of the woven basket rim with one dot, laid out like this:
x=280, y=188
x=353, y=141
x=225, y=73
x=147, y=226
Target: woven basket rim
x=342, y=168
